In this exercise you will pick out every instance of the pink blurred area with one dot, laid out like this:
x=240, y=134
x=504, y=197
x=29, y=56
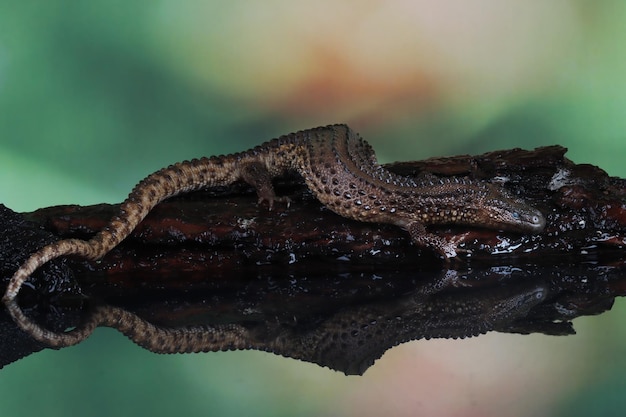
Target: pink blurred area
x=493, y=375
x=365, y=62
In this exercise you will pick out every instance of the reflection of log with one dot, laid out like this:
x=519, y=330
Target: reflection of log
x=229, y=260
x=347, y=339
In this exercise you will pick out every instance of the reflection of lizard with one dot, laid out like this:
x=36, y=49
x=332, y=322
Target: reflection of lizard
x=340, y=169
x=349, y=340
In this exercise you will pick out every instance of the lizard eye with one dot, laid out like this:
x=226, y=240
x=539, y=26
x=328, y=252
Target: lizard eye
x=516, y=215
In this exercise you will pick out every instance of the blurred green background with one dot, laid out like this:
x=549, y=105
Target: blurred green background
x=95, y=95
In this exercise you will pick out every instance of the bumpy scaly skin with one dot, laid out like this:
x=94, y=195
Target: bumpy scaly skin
x=341, y=170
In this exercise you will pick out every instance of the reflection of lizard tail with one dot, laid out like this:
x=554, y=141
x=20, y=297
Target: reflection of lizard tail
x=174, y=340
x=50, y=338
x=147, y=335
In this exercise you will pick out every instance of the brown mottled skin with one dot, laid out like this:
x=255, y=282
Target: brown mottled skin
x=341, y=170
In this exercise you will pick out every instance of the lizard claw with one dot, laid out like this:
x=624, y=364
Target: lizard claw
x=272, y=199
x=456, y=240
x=449, y=249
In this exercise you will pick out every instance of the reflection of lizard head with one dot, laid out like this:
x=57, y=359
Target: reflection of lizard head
x=520, y=303
x=353, y=339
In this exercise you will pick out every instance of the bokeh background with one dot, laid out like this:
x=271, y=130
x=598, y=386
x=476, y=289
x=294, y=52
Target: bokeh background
x=95, y=95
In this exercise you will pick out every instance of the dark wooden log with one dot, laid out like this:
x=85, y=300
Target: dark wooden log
x=219, y=257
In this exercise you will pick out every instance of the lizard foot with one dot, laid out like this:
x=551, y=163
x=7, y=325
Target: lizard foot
x=446, y=249
x=273, y=198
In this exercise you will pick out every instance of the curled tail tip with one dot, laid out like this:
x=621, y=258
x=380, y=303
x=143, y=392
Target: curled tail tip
x=25, y=271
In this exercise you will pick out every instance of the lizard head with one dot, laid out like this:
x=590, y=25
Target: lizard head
x=503, y=211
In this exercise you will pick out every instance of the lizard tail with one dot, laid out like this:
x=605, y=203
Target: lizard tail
x=158, y=186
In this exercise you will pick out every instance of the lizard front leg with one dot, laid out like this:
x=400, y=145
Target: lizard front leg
x=259, y=177
x=421, y=237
